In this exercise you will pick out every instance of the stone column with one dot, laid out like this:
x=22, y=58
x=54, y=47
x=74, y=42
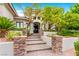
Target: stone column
x=20, y=45
x=57, y=44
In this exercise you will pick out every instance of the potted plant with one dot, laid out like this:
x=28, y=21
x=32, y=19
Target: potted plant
x=5, y=25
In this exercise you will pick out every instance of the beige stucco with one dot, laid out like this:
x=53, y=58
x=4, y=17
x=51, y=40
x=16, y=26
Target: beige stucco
x=5, y=12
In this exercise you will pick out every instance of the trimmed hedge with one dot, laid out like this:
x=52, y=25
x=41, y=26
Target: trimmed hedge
x=66, y=32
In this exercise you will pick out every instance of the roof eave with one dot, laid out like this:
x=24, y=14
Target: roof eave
x=11, y=9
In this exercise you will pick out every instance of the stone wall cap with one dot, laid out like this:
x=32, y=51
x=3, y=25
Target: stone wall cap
x=5, y=42
x=20, y=36
x=57, y=36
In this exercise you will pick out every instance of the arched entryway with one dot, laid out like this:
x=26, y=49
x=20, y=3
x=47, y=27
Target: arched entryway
x=36, y=26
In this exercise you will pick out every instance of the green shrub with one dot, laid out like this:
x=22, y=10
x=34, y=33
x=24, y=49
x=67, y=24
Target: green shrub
x=65, y=32
x=19, y=29
x=5, y=25
x=50, y=30
x=11, y=34
x=76, y=34
x=76, y=45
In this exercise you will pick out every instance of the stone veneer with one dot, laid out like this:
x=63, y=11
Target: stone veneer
x=57, y=44
x=19, y=45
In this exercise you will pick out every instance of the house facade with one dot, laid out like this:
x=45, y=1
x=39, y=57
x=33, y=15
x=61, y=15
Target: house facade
x=35, y=26
x=7, y=10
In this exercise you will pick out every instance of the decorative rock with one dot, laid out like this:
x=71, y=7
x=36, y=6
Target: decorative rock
x=57, y=44
x=19, y=45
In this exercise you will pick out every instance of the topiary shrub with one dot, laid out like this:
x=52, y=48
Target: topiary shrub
x=76, y=45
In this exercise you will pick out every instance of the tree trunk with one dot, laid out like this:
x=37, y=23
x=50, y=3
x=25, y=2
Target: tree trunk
x=3, y=33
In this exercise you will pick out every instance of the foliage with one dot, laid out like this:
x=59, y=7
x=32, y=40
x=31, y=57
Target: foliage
x=28, y=11
x=11, y=34
x=66, y=32
x=19, y=29
x=36, y=6
x=76, y=45
x=57, y=17
x=70, y=24
x=75, y=8
x=50, y=30
x=52, y=15
x=47, y=14
x=5, y=25
x=71, y=21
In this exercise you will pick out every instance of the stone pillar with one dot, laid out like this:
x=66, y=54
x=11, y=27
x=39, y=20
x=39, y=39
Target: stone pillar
x=57, y=45
x=20, y=46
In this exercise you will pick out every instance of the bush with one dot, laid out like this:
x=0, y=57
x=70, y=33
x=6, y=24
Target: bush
x=76, y=45
x=65, y=32
x=19, y=29
x=50, y=30
x=5, y=25
x=11, y=34
x=76, y=34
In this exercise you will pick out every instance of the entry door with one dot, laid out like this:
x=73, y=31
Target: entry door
x=36, y=27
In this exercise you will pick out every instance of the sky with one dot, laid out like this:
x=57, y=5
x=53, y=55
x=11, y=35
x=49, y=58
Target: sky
x=20, y=6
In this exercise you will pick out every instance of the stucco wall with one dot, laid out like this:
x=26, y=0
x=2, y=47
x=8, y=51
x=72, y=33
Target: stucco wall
x=5, y=12
x=68, y=43
x=6, y=49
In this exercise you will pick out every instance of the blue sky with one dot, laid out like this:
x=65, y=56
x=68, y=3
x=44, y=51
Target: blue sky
x=20, y=6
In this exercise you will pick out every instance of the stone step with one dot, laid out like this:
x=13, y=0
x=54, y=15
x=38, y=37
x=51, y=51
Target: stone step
x=33, y=39
x=47, y=52
x=37, y=47
x=34, y=42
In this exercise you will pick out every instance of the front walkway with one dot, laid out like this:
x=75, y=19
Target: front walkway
x=37, y=47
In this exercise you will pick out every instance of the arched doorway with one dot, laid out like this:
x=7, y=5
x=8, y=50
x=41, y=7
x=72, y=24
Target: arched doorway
x=36, y=26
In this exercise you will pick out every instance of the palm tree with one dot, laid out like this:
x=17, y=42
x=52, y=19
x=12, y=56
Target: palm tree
x=28, y=13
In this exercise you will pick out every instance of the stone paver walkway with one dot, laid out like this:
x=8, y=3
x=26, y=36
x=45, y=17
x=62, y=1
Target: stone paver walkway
x=37, y=47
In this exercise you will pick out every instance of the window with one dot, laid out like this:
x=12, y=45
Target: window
x=34, y=18
x=39, y=18
x=19, y=24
